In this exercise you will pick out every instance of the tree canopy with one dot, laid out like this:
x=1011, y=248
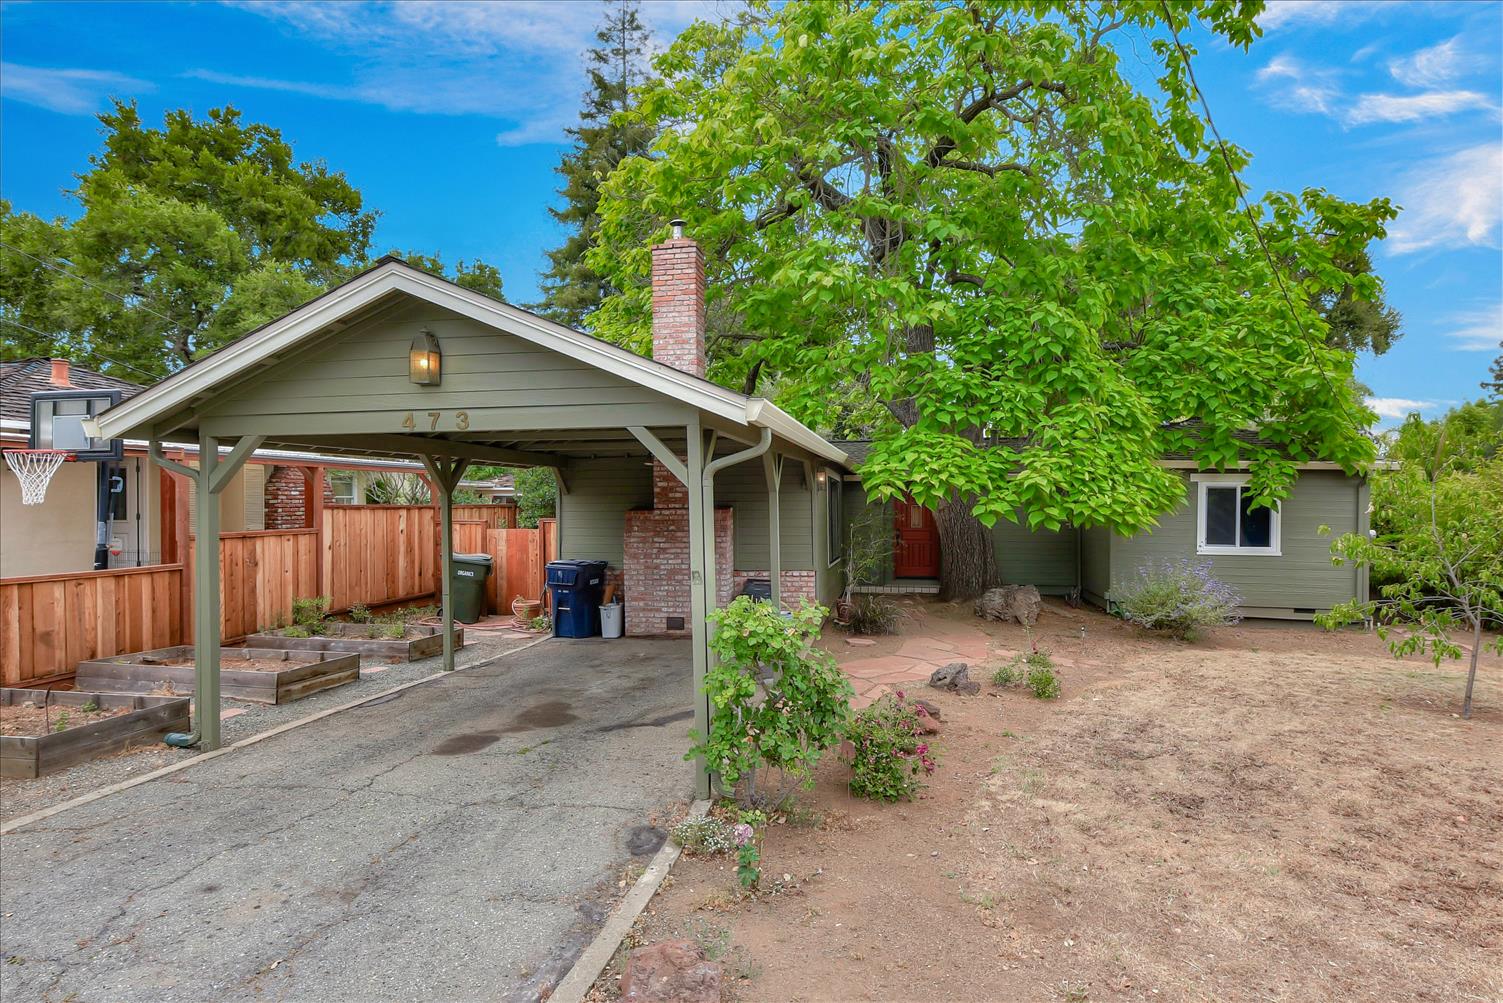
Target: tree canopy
x=1045, y=276
x=189, y=235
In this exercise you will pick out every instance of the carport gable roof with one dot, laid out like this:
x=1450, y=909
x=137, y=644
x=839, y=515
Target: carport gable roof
x=211, y=375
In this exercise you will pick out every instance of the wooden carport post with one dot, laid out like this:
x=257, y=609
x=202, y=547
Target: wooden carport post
x=210, y=480
x=444, y=474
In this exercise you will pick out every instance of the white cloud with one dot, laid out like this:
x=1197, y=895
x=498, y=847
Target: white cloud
x=1292, y=13
x=70, y=91
x=1298, y=86
x=1477, y=330
x=1453, y=201
x=518, y=62
x=1398, y=407
x=1411, y=107
x=1433, y=67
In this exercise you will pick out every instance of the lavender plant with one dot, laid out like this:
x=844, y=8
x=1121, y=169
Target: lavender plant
x=1177, y=598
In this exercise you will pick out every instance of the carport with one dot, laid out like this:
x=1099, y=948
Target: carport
x=397, y=362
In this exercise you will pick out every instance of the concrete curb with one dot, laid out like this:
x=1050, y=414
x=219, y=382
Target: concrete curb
x=573, y=986
x=115, y=788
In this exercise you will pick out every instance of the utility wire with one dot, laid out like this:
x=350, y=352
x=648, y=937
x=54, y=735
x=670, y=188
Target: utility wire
x=108, y=292
x=1247, y=207
x=79, y=348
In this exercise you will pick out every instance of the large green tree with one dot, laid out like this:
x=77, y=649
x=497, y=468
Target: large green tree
x=606, y=135
x=188, y=236
x=1045, y=276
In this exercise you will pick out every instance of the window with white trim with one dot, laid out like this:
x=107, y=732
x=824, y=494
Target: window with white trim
x=1226, y=521
x=342, y=485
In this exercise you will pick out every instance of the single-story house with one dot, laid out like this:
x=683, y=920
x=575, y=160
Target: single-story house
x=1277, y=560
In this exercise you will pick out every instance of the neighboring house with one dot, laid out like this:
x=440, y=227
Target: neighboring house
x=1278, y=560
x=117, y=514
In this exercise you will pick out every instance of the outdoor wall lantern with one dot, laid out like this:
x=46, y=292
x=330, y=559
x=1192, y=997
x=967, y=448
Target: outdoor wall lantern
x=424, y=362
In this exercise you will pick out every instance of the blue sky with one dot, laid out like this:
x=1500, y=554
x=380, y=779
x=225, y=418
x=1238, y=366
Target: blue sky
x=449, y=118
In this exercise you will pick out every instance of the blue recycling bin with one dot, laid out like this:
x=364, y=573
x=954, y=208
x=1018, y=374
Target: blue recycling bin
x=577, y=588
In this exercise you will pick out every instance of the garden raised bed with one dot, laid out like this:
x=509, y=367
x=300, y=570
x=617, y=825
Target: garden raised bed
x=419, y=640
x=144, y=721
x=262, y=675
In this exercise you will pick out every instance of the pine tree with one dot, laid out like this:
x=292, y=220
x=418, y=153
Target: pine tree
x=1494, y=383
x=571, y=289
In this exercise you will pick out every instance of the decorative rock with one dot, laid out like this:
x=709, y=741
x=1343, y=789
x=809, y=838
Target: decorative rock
x=931, y=709
x=1010, y=602
x=673, y=971
x=955, y=677
x=860, y=642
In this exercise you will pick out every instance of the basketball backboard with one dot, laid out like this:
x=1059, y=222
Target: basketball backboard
x=57, y=418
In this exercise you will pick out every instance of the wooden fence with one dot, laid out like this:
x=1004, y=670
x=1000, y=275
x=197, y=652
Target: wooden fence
x=493, y=516
x=50, y=623
x=371, y=554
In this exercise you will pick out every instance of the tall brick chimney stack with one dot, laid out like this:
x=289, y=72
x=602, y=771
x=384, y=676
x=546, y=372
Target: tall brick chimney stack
x=678, y=303
x=59, y=377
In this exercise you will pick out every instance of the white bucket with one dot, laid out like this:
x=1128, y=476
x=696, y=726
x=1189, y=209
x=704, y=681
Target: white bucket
x=612, y=619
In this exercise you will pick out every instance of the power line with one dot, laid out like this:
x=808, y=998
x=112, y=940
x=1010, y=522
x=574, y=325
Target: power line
x=56, y=341
x=108, y=292
x=1247, y=207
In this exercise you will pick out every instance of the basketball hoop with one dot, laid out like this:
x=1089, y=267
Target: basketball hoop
x=34, y=469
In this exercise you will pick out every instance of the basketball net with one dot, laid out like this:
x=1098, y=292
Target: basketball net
x=34, y=469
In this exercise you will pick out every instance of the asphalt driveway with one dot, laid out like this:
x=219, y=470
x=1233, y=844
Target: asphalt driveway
x=457, y=841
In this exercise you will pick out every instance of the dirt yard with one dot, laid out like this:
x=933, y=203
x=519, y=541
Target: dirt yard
x=1270, y=813
x=44, y=720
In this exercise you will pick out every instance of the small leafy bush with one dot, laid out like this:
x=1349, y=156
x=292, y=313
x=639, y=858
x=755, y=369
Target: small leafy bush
x=1042, y=682
x=543, y=622
x=309, y=613
x=1009, y=673
x=749, y=847
x=62, y=721
x=873, y=615
x=703, y=836
x=90, y=707
x=1177, y=598
x=297, y=632
x=393, y=631
x=778, y=702
x=360, y=613
x=890, y=752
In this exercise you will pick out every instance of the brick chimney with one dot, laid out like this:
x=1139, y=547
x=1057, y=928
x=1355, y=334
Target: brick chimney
x=678, y=303
x=60, y=373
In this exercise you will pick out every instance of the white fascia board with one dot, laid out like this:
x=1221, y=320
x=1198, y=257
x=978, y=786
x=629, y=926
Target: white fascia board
x=278, y=336
x=763, y=413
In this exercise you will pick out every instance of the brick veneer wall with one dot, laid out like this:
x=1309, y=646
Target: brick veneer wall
x=285, y=494
x=678, y=305
x=796, y=585
x=656, y=572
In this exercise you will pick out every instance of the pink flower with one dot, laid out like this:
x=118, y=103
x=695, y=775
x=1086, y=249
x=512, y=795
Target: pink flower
x=741, y=833
x=923, y=748
x=900, y=694
x=919, y=710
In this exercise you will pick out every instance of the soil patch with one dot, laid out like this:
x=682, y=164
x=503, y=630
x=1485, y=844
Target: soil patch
x=37, y=721
x=228, y=663
x=1270, y=813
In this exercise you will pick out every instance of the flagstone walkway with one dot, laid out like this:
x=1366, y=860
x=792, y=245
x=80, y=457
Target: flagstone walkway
x=914, y=660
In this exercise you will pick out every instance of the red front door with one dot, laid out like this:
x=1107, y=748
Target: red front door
x=917, y=552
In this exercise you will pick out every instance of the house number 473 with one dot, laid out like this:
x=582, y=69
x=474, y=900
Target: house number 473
x=432, y=418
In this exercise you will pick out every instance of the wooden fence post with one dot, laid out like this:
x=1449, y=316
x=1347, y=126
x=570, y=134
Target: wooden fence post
x=313, y=505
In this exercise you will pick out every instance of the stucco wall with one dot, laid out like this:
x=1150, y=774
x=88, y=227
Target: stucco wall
x=55, y=537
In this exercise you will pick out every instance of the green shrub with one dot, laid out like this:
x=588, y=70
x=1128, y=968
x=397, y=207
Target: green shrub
x=541, y=622
x=703, y=836
x=1008, y=673
x=309, y=613
x=393, y=631
x=360, y=613
x=1042, y=682
x=90, y=707
x=1177, y=598
x=890, y=752
x=778, y=702
x=872, y=615
x=297, y=631
x=62, y=721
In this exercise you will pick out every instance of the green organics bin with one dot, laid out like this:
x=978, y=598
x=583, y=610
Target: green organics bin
x=467, y=586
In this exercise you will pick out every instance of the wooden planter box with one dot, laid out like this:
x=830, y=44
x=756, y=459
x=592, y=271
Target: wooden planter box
x=37, y=755
x=306, y=673
x=429, y=641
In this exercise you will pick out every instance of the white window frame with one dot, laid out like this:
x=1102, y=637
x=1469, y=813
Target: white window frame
x=1275, y=527
x=834, y=486
x=354, y=487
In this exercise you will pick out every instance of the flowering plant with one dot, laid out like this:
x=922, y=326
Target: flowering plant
x=748, y=848
x=889, y=751
x=1177, y=597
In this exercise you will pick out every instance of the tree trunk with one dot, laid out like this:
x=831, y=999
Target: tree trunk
x=967, y=563
x=1471, y=676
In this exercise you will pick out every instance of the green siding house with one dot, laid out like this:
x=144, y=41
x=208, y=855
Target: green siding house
x=1278, y=561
